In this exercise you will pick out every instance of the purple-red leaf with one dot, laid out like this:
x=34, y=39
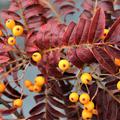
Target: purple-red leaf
x=84, y=54
x=68, y=33
x=113, y=35
x=7, y=111
x=97, y=26
x=6, y=14
x=104, y=59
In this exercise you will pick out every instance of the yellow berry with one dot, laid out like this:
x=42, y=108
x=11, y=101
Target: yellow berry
x=95, y=112
x=86, y=78
x=36, y=88
x=18, y=30
x=73, y=97
x=118, y=85
x=10, y=23
x=39, y=80
x=84, y=98
x=31, y=88
x=106, y=31
x=17, y=103
x=27, y=83
x=2, y=87
x=89, y=106
x=64, y=65
x=117, y=61
x=36, y=57
x=11, y=41
x=1, y=33
x=86, y=115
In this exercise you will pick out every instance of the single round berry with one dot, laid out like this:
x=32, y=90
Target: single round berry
x=89, y=106
x=10, y=23
x=18, y=30
x=39, y=80
x=1, y=33
x=2, y=87
x=27, y=83
x=95, y=112
x=86, y=115
x=118, y=85
x=73, y=97
x=86, y=78
x=84, y=98
x=11, y=41
x=64, y=65
x=31, y=88
x=117, y=61
x=18, y=103
x=36, y=57
x=36, y=88
x=106, y=31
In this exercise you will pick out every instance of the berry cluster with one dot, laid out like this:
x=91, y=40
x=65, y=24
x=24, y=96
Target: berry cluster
x=17, y=30
x=84, y=99
x=37, y=86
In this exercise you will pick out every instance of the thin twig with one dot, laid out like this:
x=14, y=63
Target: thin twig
x=95, y=94
x=12, y=69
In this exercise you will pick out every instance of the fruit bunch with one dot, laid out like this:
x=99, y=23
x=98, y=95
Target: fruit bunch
x=39, y=81
x=84, y=99
x=17, y=30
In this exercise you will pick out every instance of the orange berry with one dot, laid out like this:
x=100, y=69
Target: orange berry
x=86, y=115
x=18, y=30
x=1, y=33
x=2, y=87
x=118, y=85
x=86, y=78
x=95, y=112
x=73, y=97
x=117, y=61
x=89, y=106
x=64, y=65
x=31, y=88
x=36, y=57
x=10, y=23
x=36, y=88
x=106, y=31
x=17, y=103
x=39, y=81
x=84, y=98
x=11, y=41
x=27, y=83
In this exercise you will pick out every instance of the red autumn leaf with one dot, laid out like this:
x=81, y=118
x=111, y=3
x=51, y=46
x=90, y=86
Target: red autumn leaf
x=97, y=26
x=68, y=33
x=88, y=5
x=106, y=6
x=14, y=6
x=7, y=111
x=7, y=14
x=104, y=59
x=113, y=35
